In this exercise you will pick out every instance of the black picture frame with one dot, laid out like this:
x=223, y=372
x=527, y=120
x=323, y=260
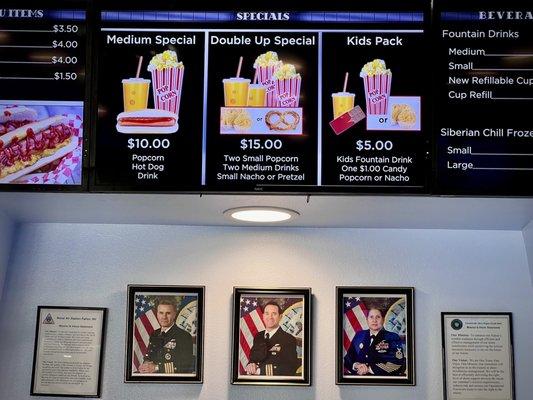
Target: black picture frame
x=274, y=365
x=145, y=343
x=38, y=324
x=390, y=362
x=458, y=325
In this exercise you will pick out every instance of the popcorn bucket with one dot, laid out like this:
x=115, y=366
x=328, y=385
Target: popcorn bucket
x=263, y=75
x=167, y=84
x=377, y=93
x=288, y=92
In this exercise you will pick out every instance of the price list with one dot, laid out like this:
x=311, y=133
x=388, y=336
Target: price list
x=42, y=89
x=484, y=98
x=42, y=54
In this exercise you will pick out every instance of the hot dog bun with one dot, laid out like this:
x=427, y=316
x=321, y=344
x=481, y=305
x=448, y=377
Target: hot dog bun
x=22, y=132
x=20, y=113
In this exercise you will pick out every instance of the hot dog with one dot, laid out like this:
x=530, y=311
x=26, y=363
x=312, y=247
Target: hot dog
x=12, y=118
x=25, y=146
x=147, y=121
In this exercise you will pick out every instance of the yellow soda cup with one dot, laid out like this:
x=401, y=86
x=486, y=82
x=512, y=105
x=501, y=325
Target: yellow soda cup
x=236, y=92
x=135, y=92
x=256, y=96
x=342, y=102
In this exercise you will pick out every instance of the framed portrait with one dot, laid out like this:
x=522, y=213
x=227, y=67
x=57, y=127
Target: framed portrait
x=271, y=336
x=478, y=360
x=69, y=344
x=375, y=336
x=165, y=334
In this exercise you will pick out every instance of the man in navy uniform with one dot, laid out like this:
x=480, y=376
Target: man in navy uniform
x=170, y=350
x=375, y=351
x=274, y=350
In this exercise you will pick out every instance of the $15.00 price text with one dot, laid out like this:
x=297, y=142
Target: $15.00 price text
x=258, y=144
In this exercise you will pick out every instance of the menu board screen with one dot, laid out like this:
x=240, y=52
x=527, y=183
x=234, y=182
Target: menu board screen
x=282, y=101
x=42, y=93
x=381, y=143
x=484, y=98
x=150, y=104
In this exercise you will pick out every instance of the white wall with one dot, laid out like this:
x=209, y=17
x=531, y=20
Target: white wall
x=91, y=265
x=6, y=237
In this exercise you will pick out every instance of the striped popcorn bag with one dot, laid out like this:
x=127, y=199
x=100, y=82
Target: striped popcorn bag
x=167, y=84
x=288, y=92
x=377, y=93
x=263, y=75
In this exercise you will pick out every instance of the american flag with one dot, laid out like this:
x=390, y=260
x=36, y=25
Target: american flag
x=145, y=323
x=355, y=313
x=251, y=322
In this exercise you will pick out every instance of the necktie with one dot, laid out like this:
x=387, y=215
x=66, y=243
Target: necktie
x=372, y=337
x=267, y=336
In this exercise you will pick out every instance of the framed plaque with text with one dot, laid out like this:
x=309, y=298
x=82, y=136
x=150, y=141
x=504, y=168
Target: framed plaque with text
x=477, y=351
x=67, y=359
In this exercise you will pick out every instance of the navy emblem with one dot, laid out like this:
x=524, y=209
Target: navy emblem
x=399, y=353
x=457, y=324
x=168, y=356
x=49, y=320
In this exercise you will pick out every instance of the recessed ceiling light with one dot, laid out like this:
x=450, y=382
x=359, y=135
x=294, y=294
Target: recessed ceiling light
x=261, y=214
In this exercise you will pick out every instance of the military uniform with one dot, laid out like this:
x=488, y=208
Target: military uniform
x=384, y=354
x=171, y=351
x=275, y=355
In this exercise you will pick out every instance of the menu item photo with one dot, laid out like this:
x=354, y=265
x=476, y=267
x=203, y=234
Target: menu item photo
x=40, y=143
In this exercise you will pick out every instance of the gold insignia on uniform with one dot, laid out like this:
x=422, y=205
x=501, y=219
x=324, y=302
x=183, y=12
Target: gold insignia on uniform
x=168, y=356
x=389, y=367
x=169, y=368
x=269, y=369
x=399, y=353
x=361, y=345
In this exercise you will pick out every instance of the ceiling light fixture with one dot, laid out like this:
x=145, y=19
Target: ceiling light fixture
x=261, y=214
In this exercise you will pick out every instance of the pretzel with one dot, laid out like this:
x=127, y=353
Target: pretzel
x=282, y=120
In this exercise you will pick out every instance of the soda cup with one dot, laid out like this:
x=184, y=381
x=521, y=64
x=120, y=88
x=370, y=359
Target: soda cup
x=236, y=92
x=342, y=103
x=135, y=93
x=257, y=96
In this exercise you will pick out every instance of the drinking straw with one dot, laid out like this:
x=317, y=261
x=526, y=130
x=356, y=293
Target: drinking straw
x=345, y=82
x=139, y=67
x=239, y=68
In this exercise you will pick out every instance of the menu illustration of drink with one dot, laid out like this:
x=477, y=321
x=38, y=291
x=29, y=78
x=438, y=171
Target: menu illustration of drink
x=374, y=134
x=42, y=93
x=150, y=103
x=484, y=98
